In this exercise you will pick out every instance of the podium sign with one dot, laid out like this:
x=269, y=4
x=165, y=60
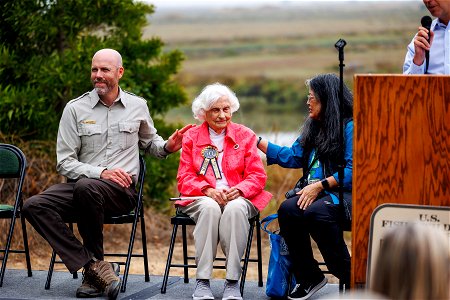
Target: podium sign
x=387, y=216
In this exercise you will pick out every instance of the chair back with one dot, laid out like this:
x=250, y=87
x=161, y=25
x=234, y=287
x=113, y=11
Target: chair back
x=12, y=165
x=140, y=183
x=140, y=186
x=129, y=218
x=12, y=162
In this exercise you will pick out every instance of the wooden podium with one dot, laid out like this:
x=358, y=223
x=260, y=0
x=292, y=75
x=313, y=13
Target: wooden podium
x=401, y=150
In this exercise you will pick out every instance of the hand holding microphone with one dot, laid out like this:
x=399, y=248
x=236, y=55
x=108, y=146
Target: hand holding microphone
x=426, y=23
x=422, y=42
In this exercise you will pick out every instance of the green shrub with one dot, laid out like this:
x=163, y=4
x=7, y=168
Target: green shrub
x=45, y=57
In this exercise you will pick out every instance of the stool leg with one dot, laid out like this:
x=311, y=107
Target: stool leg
x=246, y=257
x=185, y=256
x=144, y=249
x=7, y=247
x=258, y=247
x=169, y=259
x=50, y=270
x=129, y=255
x=25, y=245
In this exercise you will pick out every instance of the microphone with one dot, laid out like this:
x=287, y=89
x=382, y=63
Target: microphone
x=426, y=23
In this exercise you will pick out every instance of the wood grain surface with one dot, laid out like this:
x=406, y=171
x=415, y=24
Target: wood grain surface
x=401, y=150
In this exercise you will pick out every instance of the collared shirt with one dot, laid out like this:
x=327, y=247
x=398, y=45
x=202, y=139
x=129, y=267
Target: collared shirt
x=93, y=137
x=439, y=52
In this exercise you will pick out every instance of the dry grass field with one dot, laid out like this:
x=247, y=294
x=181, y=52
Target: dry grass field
x=290, y=41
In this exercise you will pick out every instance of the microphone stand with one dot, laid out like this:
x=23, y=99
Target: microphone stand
x=340, y=44
x=340, y=47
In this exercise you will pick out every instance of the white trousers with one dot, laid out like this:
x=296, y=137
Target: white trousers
x=229, y=225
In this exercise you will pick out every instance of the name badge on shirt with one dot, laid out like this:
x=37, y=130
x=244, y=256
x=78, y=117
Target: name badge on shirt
x=210, y=155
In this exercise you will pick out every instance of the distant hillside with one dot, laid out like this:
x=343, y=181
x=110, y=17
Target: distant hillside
x=278, y=41
x=288, y=42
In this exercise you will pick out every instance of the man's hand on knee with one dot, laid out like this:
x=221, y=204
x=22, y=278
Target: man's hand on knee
x=118, y=176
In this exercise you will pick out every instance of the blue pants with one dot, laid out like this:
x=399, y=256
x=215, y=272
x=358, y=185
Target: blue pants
x=319, y=221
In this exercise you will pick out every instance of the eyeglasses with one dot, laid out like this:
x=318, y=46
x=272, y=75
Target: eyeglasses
x=310, y=97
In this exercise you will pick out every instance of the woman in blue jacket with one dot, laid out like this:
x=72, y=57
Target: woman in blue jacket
x=313, y=208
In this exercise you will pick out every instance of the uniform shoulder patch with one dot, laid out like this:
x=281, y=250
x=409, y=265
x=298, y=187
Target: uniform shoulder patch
x=134, y=95
x=79, y=98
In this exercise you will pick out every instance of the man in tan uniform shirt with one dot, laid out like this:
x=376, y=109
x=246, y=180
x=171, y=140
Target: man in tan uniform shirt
x=99, y=137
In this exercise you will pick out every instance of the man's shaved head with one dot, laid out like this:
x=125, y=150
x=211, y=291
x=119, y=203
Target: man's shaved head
x=109, y=54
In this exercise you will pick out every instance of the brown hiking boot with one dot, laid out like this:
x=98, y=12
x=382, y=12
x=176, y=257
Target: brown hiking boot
x=87, y=290
x=99, y=276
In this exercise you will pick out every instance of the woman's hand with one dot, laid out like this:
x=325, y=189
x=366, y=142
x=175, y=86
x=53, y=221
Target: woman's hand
x=308, y=194
x=233, y=193
x=217, y=195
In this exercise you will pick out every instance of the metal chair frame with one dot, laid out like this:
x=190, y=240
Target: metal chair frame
x=14, y=212
x=343, y=287
x=181, y=219
x=134, y=217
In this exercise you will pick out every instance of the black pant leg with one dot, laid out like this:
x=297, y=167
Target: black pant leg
x=93, y=198
x=323, y=218
x=294, y=228
x=47, y=212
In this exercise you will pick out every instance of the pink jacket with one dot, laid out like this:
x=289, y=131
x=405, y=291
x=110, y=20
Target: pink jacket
x=241, y=164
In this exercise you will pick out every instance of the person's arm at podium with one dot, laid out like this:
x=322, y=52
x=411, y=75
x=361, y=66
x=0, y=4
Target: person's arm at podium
x=415, y=56
x=409, y=67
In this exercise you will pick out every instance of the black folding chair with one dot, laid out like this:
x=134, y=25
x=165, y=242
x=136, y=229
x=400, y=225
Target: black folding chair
x=13, y=165
x=183, y=220
x=343, y=286
x=133, y=217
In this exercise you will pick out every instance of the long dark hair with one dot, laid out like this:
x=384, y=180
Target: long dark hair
x=323, y=134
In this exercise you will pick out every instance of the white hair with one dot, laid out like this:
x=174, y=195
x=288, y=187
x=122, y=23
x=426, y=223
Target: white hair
x=209, y=96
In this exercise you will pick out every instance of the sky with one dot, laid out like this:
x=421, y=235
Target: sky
x=220, y=3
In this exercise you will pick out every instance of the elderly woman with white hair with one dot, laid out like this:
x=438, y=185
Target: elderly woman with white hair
x=220, y=164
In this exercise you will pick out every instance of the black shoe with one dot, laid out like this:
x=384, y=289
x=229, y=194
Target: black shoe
x=304, y=291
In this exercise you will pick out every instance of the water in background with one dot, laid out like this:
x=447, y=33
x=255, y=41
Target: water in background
x=280, y=138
